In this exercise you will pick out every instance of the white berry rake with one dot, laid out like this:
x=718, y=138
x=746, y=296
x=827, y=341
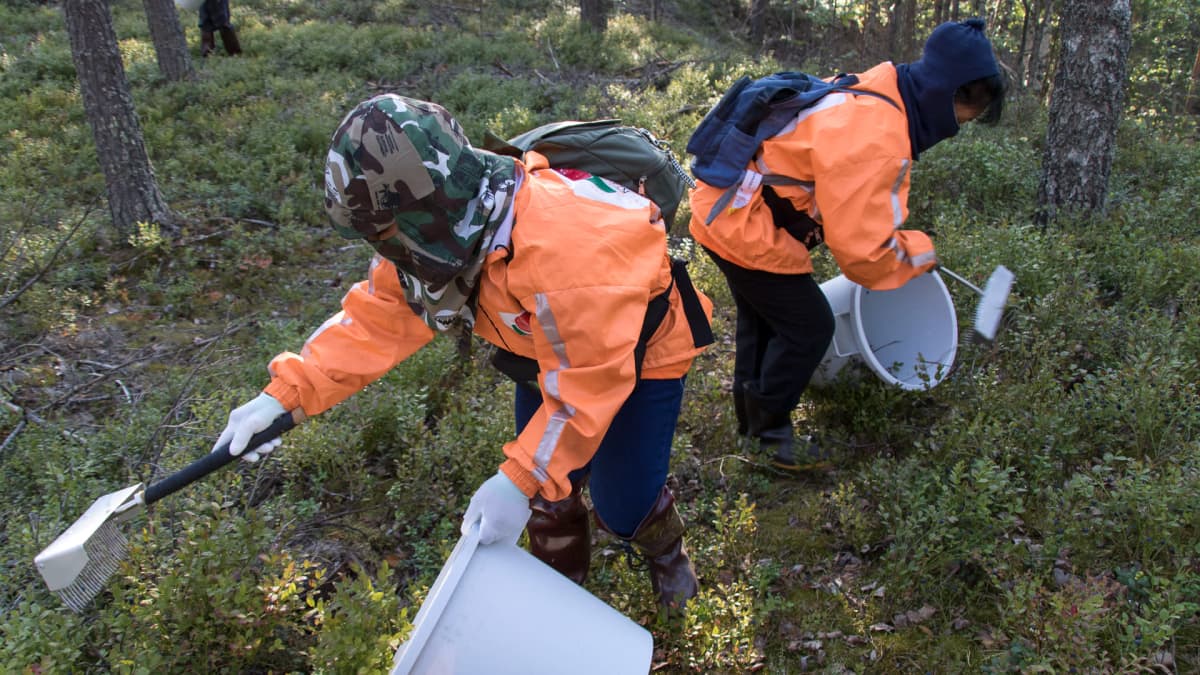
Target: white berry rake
x=78, y=564
x=992, y=299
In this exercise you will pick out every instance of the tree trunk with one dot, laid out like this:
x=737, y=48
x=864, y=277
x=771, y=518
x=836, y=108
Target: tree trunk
x=133, y=194
x=170, y=44
x=1039, y=50
x=1023, y=55
x=758, y=15
x=1085, y=107
x=902, y=31
x=594, y=14
x=941, y=12
x=1192, y=106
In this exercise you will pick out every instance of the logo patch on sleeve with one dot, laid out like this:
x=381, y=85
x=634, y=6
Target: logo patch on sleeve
x=519, y=323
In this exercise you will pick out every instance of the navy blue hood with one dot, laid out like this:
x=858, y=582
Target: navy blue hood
x=955, y=54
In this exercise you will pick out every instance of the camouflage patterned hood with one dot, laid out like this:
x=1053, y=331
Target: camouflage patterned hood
x=401, y=174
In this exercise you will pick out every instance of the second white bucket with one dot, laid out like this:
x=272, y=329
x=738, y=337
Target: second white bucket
x=908, y=336
x=497, y=610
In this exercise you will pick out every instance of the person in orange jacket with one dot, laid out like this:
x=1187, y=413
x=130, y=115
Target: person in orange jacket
x=566, y=274
x=850, y=156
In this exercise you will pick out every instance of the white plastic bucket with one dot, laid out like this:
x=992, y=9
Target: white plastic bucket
x=908, y=336
x=189, y=5
x=497, y=610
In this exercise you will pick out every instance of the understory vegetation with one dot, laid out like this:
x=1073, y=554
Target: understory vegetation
x=1037, y=511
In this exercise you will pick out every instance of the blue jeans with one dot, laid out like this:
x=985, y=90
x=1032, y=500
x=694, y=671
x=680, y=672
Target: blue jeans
x=630, y=467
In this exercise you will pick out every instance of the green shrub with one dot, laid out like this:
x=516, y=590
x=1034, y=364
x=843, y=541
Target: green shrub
x=361, y=625
x=214, y=596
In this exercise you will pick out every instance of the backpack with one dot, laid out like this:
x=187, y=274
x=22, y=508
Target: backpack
x=751, y=111
x=635, y=159
x=628, y=156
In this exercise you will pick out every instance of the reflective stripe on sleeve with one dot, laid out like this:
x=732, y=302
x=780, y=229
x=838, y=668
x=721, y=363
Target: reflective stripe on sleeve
x=559, y=418
x=897, y=211
x=337, y=319
x=375, y=260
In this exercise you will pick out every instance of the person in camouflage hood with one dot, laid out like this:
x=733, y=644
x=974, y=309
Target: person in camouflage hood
x=401, y=174
x=566, y=274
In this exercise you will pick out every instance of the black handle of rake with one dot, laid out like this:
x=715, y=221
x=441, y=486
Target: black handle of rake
x=213, y=461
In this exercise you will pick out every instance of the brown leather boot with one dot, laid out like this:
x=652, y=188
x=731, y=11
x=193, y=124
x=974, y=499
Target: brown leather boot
x=560, y=534
x=208, y=43
x=230, y=40
x=659, y=538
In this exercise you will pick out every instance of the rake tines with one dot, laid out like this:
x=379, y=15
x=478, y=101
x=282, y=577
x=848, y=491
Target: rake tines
x=105, y=550
x=77, y=564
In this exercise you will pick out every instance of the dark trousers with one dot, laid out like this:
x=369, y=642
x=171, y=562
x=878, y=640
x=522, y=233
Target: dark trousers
x=630, y=467
x=784, y=326
x=214, y=15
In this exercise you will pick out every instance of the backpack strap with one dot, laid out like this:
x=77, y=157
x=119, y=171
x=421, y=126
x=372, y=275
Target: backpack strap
x=693, y=310
x=524, y=370
x=752, y=180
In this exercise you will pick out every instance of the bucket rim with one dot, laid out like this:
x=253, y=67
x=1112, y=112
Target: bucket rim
x=868, y=354
x=440, y=593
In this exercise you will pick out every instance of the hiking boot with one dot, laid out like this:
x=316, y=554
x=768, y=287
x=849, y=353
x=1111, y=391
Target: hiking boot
x=773, y=432
x=229, y=38
x=208, y=43
x=801, y=453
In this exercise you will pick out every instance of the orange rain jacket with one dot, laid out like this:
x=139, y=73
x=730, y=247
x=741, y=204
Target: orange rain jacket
x=585, y=262
x=854, y=154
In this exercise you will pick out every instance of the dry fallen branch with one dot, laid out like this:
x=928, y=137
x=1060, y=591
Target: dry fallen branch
x=49, y=263
x=27, y=415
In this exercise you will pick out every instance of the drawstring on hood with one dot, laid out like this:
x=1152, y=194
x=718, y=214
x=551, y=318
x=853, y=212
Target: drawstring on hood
x=401, y=174
x=954, y=54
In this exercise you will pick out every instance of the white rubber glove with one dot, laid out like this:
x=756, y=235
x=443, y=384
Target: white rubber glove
x=247, y=420
x=501, y=508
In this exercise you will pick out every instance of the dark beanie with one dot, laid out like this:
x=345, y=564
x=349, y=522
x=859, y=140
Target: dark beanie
x=955, y=53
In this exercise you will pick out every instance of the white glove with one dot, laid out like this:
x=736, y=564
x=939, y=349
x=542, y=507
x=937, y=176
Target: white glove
x=501, y=508
x=247, y=420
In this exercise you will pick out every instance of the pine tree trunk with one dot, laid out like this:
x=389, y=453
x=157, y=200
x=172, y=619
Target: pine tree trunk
x=1192, y=106
x=902, y=31
x=594, y=14
x=941, y=12
x=758, y=16
x=1040, y=52
x=1085, y=107
x=170, y=44
x=133, y=194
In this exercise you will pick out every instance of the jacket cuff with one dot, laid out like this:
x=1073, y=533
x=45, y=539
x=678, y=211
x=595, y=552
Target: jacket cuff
x=286, y=394
x=520, y=477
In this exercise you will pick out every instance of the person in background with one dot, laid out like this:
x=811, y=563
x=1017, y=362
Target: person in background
x=214, y=18
x=559, y=270
x=852, y=155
